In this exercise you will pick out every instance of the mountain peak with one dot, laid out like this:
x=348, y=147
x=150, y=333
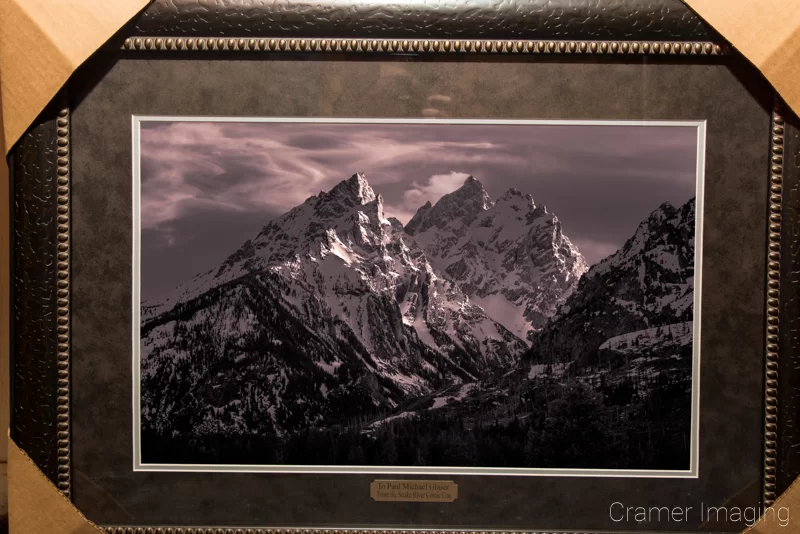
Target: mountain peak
x=664, y=227
x=471, y=192
x=471, y=186
x=358, y=183
x=464, y=204
x=664, y=208
x=355, y=188
x=472, y=182
x=509, y=256
x=515, y=194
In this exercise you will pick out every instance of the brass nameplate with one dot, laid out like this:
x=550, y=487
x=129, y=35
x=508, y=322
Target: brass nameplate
x=414, y=490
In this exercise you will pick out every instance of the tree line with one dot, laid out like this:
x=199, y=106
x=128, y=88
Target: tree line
x=545, y=422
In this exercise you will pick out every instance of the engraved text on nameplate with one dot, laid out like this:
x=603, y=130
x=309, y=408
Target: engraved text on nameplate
x=414, y=490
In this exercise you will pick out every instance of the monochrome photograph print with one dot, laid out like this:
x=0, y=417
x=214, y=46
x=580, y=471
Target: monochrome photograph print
x=417, y=296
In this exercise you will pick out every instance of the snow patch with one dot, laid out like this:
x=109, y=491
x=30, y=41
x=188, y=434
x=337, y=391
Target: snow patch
x=678, y=334
x=329, y=368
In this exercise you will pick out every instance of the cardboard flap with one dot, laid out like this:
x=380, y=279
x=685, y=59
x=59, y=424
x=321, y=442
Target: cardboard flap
x=42, y=43
x=778, y=517
x=766, y=32
x=36, y=506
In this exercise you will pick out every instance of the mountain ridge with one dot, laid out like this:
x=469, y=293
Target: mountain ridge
x=509, y=255
x=337, y=266
x=648, y=282
x=336, y=325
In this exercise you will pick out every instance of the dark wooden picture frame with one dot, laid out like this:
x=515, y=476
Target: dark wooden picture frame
x=653, y=30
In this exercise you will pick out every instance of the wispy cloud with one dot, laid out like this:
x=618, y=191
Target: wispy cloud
x=214, y=179
x=242, y=167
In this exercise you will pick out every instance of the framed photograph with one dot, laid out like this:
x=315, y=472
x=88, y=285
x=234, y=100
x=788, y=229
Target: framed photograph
x=424, y=325
x=316, y=267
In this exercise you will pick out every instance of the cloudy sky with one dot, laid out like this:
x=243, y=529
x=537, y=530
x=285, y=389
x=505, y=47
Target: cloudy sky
x=206, y=187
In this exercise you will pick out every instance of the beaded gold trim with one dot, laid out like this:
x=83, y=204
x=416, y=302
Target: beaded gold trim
x=63, y=302
x=423, y=46
x=773, y=302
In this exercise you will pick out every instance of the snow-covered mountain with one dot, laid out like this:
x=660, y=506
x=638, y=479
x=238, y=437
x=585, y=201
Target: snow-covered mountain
x=639, y=294
x=626, y=333
x=331, y=304
x=510, y=256
x=338, y=336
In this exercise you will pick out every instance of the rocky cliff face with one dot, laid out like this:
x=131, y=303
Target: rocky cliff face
x=648, y=283
x=510, y=256
x=330, y=304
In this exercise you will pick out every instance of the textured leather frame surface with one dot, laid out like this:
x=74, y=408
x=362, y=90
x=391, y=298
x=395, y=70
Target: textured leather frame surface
x=668, y=20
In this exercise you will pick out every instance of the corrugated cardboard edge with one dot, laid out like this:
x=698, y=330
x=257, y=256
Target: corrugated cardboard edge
x=37, y=506
x=771, y=523
x=766, y=32
x=43, y=42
